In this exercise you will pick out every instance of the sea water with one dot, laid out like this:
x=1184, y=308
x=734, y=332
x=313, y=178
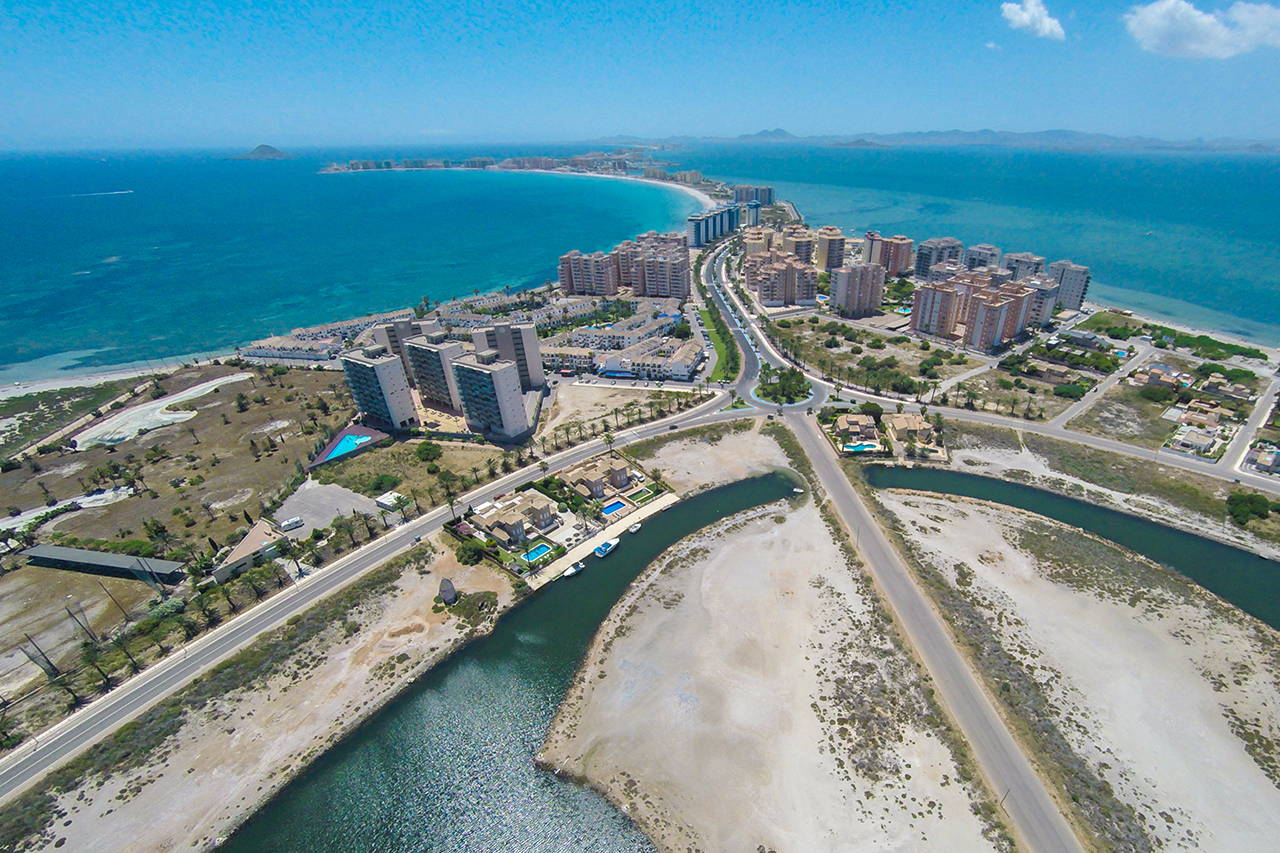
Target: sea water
x=114, y=259
x=1189, y=237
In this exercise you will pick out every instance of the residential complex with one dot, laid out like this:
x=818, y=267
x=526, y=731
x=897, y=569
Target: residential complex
x=781, y=278
x=764, y=195
x=517, y=343
x=380, y=387
x=830, y=250
x=652, y=265
x=492, y=401
x=937, y=250
x=1074, y=279
x=857, y=289
x=1023, y=264
x=982, y=255
x=594, y=274
x=799, y=240
x=991, y=314
x=893, y=253
x=431, y=359
x=392, y=335
x=710, y=225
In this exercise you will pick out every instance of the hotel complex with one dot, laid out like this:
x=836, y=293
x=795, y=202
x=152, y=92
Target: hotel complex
x=653, y=265
x=380, y=387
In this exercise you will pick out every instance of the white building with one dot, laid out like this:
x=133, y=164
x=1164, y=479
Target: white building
x=518, y=343
x=492, y=401
x=1045, y=302
x=982, y=255
x=431, y=359
x=380, y=387
x=1023, y=264
x=1074, y=279
x=937, y=250
x=857, y=289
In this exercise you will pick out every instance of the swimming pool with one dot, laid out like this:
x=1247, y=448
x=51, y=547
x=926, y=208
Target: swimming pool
x=346, y=444
x=861, y=447
x=613, y=507
x=537, y=552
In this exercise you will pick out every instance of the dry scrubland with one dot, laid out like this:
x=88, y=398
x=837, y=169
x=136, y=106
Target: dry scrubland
x=1123, y=414
x=991, y=394
x=1138, y=486
x=876, y=344
x=1155, y=704
x=228, y=749
x=605, y=407
x=749, y=692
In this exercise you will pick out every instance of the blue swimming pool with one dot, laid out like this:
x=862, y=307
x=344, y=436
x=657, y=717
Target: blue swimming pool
x=346, y=444
x=861, y=447
x=613, y=507
x=537, y=552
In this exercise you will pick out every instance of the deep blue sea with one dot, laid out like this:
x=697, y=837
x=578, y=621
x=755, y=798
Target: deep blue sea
x=1194, y=238
x=110, y=260
x=107, y=260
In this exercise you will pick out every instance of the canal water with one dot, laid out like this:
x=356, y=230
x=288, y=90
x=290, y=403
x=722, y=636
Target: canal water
x=447, y=766
x=1248, y=581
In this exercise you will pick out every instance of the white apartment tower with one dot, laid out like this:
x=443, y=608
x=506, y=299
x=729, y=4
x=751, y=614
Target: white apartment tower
x=936, y=250
x=1074, y=279
x=380, y=387
x=517, y=343
x=830, y=251
x=491, y=397
x=1023, y=264
x=431, y=359
x=982, y=255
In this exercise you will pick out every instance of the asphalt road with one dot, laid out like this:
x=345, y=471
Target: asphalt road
x=1032, y=812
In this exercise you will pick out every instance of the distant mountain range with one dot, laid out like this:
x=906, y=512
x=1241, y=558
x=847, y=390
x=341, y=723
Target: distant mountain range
x=1047, y=140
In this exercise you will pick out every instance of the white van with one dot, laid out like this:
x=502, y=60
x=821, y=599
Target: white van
x=291, y=523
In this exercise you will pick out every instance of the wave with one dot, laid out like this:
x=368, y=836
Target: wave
x=87, y=195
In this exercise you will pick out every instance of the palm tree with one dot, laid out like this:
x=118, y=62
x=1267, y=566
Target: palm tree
x=90, y=653
x=121, y=644
x=492, y=465
x=431, y=495
x=608, y=441
x=382, y=513
x=543, y=466
x=401, y=506
x=475, y=474
x=342, y=524
x=366, y=519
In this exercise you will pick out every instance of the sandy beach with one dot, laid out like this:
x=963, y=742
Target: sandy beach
x=236, y=753
x=1164, y=692
x=747, y=694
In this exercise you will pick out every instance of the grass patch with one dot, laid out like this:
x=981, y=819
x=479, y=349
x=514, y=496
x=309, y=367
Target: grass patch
x=721, y=373
x=43, y=412
x=1124, y=414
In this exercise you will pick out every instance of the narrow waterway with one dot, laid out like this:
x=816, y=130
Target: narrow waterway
x=1248, y=581
x=448, y=765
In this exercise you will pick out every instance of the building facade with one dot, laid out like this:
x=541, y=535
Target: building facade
x=935, y=309
x=830, y=248
x=393, y=335
x=893, y=253
x=1074, y=279
x=1023, y=264
x=937, y=250
x=857, y=289
x=594, y=274
x=380, y=387
x=742, y=194
x=492, y=401
x=431, y=359
x=982, y=255
x=518, y=343
x=800, y=240
x=787, y=281
x=709, y=225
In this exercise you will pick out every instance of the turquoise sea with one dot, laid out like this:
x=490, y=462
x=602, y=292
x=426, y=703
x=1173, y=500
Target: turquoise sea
x=109, y=260
x=1190, y=237
x=113, y=259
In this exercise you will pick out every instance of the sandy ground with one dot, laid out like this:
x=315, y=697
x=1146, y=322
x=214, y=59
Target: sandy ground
x=745, y=695
x=576, y=404
x=1147, y=673
x=150, y=415
x=233, y=756
x=693, y=464
x=995, y=462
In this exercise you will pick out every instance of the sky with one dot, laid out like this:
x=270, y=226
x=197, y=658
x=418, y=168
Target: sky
x=80, y=74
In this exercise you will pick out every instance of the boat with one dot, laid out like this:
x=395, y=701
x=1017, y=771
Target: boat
x=573, y=570
x=797, y=491
x=635, y=528
x=607, y=548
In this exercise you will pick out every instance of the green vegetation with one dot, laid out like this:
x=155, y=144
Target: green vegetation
x=1078, y=359
x=710, y=433
x=1120, y=327
x=1070, y=391
x=1243, y=506
x=428, y=451
x=1158, y=394
x=790, y=386
x=898, y=291
x=728, y=360
x=1234, y=375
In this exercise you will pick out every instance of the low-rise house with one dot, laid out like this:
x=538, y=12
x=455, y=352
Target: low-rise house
x=1055, y=373
x=262, y=540
x=1164, y=376
x=1268, y=460
x=908, y=427
x=857, y=427
x=568, y=357
x=1196, y=441
x=1218, y=384
x=596, y=481
x=1200, y=419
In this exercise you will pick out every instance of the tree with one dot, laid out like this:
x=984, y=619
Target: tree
x=428, y=451
x=608, y=441
x=401, y=506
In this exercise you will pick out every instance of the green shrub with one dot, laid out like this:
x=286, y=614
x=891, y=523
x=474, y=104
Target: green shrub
x=1071, y=392
x=1156, y=394
x=428, y=451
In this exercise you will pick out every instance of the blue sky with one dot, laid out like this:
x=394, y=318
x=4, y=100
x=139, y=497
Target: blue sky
x=78, y=73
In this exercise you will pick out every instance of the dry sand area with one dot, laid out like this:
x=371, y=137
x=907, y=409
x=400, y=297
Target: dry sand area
x=580, y=404
x=1165, y=692
x=722, y=456
x=748, y=694
x=233, y=755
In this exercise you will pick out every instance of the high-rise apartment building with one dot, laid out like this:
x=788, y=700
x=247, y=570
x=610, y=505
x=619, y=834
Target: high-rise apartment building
x=517, y=343
x=742, y=194
x=393, y=335
x=1074, y=279
x=1046, y=295
x=996, y=317
x=799, y=240
x=594, y=274
x=857, y=289
x=830, y=248
x=710, y=225
x=756, y=240
x=749, y=213
x=655, y=265
x=935, y=309
x=787, y=281
x=893, y=253
x=380, y=387
x=982, y=255
x=492, y=401
x=431, y=359
x=942, y=271
x=937, y=250
x=1023, y=264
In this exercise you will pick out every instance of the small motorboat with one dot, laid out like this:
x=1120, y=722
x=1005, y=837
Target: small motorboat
x=607, y=548
x=573, y=570
x=635, y=528
x=797, y=491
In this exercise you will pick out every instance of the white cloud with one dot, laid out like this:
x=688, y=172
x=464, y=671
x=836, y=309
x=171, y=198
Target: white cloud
x=1176, y=28
x=992, y=46
x=1032, y=15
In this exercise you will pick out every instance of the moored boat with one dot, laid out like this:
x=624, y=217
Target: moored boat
x=573, y=570
x=607, y=548
x=635, y=528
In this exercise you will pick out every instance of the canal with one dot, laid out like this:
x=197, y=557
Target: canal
x=448, y=765
x=1248, y=581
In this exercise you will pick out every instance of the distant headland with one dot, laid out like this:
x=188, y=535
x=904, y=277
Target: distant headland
x=265, y=152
